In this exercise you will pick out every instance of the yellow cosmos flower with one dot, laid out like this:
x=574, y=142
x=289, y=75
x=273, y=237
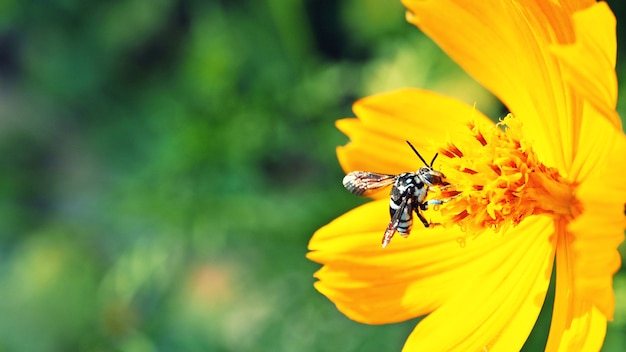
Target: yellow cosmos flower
x=545, y=187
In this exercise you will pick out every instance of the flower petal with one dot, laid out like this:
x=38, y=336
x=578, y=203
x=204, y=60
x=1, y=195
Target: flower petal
x=385, y=121
x=597, y=146
x=599, y=230
x=577, y=325
x=369, y=284
x=499, y=307
x=415, y=276
x=584, y=332
x=505, y=45
x=588, y=65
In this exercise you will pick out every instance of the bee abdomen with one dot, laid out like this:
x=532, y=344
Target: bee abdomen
x=404, y=227
x=406, y=219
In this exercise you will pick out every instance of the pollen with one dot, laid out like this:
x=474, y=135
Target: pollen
x=495, y=181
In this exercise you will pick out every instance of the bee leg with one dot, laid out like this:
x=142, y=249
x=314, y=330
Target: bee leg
x=422, y=218
x=424, y=206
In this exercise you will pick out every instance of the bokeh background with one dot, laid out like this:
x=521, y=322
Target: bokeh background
x=163, y=164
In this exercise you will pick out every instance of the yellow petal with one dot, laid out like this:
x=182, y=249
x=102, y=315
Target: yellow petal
x=577, y=325
x=588, y=65
x=600, y=229
x=418, y=275
x=505, y=46
x=385, y=121
x=596, y=147
x=369, y=284
x=585, y=332
x=496, y=310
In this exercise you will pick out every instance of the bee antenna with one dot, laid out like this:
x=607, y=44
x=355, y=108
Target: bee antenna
x=418, y=154
x=433, y=161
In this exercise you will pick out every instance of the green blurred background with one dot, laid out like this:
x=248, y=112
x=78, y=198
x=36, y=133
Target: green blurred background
x=165, y=162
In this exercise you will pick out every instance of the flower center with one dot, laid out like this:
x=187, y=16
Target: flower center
x=496, y=181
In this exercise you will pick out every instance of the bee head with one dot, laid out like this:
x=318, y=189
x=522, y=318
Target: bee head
x=430, y=176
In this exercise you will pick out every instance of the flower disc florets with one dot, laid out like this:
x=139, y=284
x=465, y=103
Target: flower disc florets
x=497, y=180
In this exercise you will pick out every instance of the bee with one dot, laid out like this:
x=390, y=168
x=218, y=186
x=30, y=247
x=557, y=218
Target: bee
x=408, y=194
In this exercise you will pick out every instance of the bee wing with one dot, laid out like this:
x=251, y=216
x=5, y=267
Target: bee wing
x=361, y=183
x=395, y=221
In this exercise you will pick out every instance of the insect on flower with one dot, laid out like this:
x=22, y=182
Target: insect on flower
x=408, y=194
x=540, y=193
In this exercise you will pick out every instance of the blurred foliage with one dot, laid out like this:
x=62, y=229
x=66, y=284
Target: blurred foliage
x=165, y=162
